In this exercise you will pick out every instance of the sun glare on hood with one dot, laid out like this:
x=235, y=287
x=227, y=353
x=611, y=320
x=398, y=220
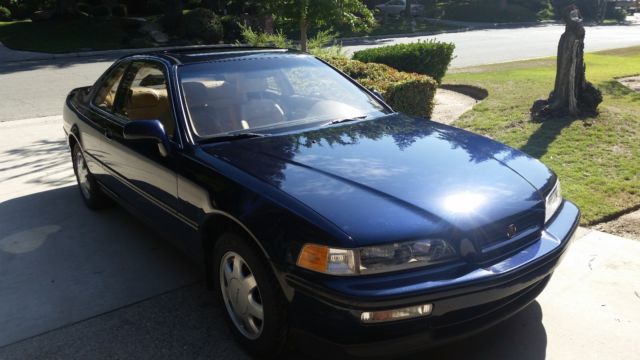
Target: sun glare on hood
x=464, y=202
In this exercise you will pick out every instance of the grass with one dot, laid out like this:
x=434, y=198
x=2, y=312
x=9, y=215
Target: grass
x=597, y=159
x=59, y=36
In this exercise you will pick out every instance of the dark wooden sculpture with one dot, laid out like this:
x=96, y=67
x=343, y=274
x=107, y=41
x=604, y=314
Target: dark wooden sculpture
x=573, y=95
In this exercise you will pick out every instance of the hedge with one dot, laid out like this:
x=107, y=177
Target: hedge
x=5, y=14
x=408, y=93
x=430, y=58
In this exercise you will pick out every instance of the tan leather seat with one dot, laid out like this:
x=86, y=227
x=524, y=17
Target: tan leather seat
x=146, y=103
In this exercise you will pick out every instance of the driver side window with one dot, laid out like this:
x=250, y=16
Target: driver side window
x=146, y=97
x=105, y=98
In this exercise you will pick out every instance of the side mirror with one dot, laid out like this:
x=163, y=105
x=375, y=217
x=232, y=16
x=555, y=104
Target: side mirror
x=147, y=130
x=378, y=94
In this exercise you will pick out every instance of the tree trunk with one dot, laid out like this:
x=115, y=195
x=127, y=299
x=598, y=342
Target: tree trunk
x=407, y=9
x=572, y=95
x=303, y=33
x=304, y=25
x=267, y=23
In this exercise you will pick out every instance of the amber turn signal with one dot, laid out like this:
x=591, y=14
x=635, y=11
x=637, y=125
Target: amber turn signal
x=314, y=257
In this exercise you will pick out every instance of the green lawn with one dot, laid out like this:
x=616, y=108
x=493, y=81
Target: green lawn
x=597, y=159
x=59, y=36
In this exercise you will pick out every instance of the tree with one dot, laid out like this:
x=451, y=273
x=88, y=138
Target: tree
x=572, y=95
x=325, y=14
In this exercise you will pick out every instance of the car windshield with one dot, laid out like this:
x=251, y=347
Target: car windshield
x=267, y=93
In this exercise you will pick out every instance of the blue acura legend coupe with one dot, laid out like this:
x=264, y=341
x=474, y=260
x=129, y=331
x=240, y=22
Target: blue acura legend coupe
x=317, y=212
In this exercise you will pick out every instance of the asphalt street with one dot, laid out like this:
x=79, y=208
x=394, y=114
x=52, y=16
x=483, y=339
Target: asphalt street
x=38, y=88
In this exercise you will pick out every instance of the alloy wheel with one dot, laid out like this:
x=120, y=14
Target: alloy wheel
x=83, y=175
x=241, y=295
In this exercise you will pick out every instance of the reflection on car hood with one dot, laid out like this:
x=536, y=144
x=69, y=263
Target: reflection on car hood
x=397, y=176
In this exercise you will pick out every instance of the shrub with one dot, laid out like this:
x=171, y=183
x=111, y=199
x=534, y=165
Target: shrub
x=255, y=38
x=430, y=58
x=204, y=24
x=616, y=13
x=409, y=93
x=5, y=14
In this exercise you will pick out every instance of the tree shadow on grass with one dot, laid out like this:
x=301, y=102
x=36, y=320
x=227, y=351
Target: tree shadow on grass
x=616, y=90
x=538, y=143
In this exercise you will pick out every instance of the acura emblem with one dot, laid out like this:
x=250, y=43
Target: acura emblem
x=511, y=230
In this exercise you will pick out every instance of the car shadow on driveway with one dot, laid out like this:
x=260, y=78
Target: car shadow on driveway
x=521, y=337
x=61, y=263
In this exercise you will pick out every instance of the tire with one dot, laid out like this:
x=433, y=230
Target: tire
x=88, y=186
x=240, y=301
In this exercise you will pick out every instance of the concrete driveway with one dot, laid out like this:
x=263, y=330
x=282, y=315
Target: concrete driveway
x=82, y=284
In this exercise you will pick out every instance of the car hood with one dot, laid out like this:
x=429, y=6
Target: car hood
x=398, y=177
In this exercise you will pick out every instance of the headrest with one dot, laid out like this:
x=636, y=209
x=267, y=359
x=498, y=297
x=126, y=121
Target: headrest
x=144, y=97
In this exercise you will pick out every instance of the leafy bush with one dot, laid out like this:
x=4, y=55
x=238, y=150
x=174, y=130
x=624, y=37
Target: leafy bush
x=430, y=58
x=323, y=44
x=409, y=93
x=5, y=14
x=255, y=38
x=616, y=13
x=204, y=24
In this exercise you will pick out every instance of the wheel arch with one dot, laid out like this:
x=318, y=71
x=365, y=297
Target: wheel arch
x=74, y=138
x=217, y=224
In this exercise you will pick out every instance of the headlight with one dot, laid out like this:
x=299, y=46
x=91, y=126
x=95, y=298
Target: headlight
x=375, y=259
x=552, y=202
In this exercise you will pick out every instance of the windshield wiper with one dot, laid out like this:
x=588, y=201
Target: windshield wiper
x=338, y=121
x=238, y=136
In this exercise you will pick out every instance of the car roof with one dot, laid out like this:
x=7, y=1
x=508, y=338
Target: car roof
x=197, y=54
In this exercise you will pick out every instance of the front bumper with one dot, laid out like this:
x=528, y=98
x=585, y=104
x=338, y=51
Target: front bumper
x=463, y=302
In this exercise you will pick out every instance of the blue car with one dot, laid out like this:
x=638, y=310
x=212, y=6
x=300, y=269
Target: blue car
x=317, y=213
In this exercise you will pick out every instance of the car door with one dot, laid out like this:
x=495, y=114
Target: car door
x=139, y=173
x=93, y=128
